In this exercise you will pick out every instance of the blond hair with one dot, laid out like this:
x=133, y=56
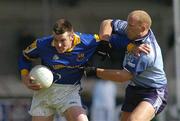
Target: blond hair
x=142, y=17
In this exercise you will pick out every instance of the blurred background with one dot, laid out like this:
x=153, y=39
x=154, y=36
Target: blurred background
x=21, y=21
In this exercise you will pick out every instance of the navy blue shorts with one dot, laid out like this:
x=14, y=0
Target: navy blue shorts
x=134, y=95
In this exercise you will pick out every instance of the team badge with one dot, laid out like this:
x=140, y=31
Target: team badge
x=80, y=57
x=55, y=57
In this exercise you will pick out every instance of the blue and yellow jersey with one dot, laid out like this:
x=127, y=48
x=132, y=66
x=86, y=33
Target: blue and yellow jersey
x=63, y=65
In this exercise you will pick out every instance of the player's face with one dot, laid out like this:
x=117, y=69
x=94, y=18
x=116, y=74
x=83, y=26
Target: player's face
x=133, y=29
x=63, y=42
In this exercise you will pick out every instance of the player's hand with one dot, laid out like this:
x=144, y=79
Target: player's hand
x=104, y=49
x=30, y=82
x=145, y=48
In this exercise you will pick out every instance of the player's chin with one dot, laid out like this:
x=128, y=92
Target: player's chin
x=61, y=50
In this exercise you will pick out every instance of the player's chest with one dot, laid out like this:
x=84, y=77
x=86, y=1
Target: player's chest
x=131, y=60
x=68, y=58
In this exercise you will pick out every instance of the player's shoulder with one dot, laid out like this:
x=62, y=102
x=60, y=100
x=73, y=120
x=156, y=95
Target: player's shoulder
x=46, y=40
x=87, y=37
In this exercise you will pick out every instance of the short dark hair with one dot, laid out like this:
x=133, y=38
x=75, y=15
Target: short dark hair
x=61, y=26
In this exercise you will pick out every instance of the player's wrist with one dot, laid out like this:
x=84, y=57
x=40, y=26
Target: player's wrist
x=90, y=71
x=105, y=38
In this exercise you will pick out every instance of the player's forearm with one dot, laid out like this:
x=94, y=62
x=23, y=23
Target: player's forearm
x=114, y=75
x=105, y=29
x=24, y=65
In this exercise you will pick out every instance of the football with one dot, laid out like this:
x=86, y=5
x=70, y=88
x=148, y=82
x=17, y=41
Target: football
x=42, y=75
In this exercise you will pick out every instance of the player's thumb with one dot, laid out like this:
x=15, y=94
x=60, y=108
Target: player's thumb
x=32, y=79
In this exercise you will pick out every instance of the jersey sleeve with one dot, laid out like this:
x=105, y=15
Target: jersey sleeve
x=119, y=41
x=28, y=55
x=119, y=26
x=89, y=40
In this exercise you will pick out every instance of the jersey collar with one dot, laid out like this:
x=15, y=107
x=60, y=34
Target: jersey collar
x=142, y=39
x=76, y=41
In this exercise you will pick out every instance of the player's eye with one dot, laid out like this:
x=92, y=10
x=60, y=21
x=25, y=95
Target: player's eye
x=60, y=40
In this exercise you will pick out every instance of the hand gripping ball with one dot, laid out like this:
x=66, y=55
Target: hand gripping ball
x=42, y=75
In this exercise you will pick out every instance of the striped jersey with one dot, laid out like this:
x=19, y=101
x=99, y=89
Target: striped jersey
x=65, y=66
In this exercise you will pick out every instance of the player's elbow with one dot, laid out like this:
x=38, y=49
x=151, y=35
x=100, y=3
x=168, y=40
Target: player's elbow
x=105, y=29
x=106, y=21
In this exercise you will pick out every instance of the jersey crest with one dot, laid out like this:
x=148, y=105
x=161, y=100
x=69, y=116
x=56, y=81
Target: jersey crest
x=80, y=57
x=55, y=57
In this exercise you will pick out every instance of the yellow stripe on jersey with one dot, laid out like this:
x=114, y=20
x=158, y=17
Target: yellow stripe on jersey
x=27, y=57
x=60, y=66
x=76, y=41
x=31, y=47
x=24, y=72
x=96, y=37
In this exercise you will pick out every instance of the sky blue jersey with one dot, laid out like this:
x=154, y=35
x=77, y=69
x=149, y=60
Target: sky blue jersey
x=63, y=65
x=147, y=68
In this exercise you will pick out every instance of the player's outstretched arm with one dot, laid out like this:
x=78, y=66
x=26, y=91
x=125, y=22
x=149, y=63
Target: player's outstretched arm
x=109, y=74
x=114, y=75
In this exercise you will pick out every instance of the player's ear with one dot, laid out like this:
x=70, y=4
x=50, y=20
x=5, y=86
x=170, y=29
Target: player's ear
x=71, y=36
x=143, y=28
x=53, y=33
